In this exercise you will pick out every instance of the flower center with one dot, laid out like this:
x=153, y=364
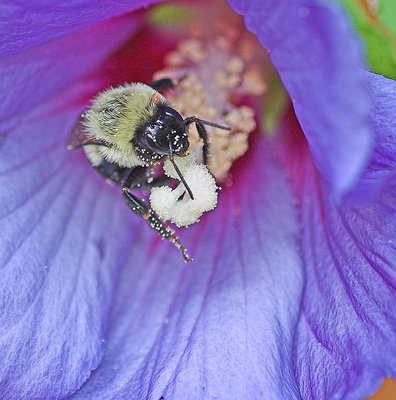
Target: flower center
x=217, y=75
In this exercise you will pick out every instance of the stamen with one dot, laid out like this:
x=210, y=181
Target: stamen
x=213, y=76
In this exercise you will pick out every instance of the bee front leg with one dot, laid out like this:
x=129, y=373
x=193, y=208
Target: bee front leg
x=139, y=207
x=203, y=134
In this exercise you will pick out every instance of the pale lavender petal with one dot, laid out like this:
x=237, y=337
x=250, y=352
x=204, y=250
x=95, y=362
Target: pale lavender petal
x=56, y=288
x=32, y=76
x=24, y=24
x=58, y=265
x=222, y=326
x=318, y=56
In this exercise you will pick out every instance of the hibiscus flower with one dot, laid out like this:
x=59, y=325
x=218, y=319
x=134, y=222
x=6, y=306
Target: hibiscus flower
x=292, y=290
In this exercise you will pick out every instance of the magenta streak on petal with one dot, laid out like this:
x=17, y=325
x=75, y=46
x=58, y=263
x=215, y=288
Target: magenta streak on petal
x=319, y=58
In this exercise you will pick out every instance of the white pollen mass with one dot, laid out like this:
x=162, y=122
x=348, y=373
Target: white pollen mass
x=175, y=205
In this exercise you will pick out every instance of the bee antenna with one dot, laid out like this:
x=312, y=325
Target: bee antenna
x=178, y=171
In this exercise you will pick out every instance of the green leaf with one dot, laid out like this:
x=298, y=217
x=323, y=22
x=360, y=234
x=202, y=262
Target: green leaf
x=376, y=22
x=171, y=15
x=275, y=103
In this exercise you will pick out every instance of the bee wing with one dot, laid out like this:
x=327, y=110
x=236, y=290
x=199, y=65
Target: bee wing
x=78, y=138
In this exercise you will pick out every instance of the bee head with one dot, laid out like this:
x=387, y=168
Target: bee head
x=167, y=130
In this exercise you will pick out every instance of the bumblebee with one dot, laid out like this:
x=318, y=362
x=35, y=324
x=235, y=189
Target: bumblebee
x=128, y=129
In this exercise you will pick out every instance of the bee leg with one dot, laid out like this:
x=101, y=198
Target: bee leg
x=162, y=84
x=139, y=207
x=138, y=178
x=203, y=134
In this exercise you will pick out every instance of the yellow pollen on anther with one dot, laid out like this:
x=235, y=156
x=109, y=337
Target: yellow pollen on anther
x=215, y=72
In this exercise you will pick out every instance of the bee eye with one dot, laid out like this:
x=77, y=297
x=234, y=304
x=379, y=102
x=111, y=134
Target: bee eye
x=169, y=114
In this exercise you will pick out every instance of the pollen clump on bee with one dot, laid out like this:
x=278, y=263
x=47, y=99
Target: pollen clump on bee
x=216, y=73
x=176, y=205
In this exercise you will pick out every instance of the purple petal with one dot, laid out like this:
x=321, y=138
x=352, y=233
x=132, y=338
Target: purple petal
x=318, y=57
x=381, y=170
x=58, y=266
x=220, y=327
x=346, y=337
x=25, y=24
x=32, y=76
x=383, y=121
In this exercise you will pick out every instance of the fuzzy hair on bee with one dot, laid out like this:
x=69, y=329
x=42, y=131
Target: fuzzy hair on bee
x=129, y=128
x=115, y=117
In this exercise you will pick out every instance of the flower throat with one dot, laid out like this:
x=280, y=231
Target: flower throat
x=215, y=75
